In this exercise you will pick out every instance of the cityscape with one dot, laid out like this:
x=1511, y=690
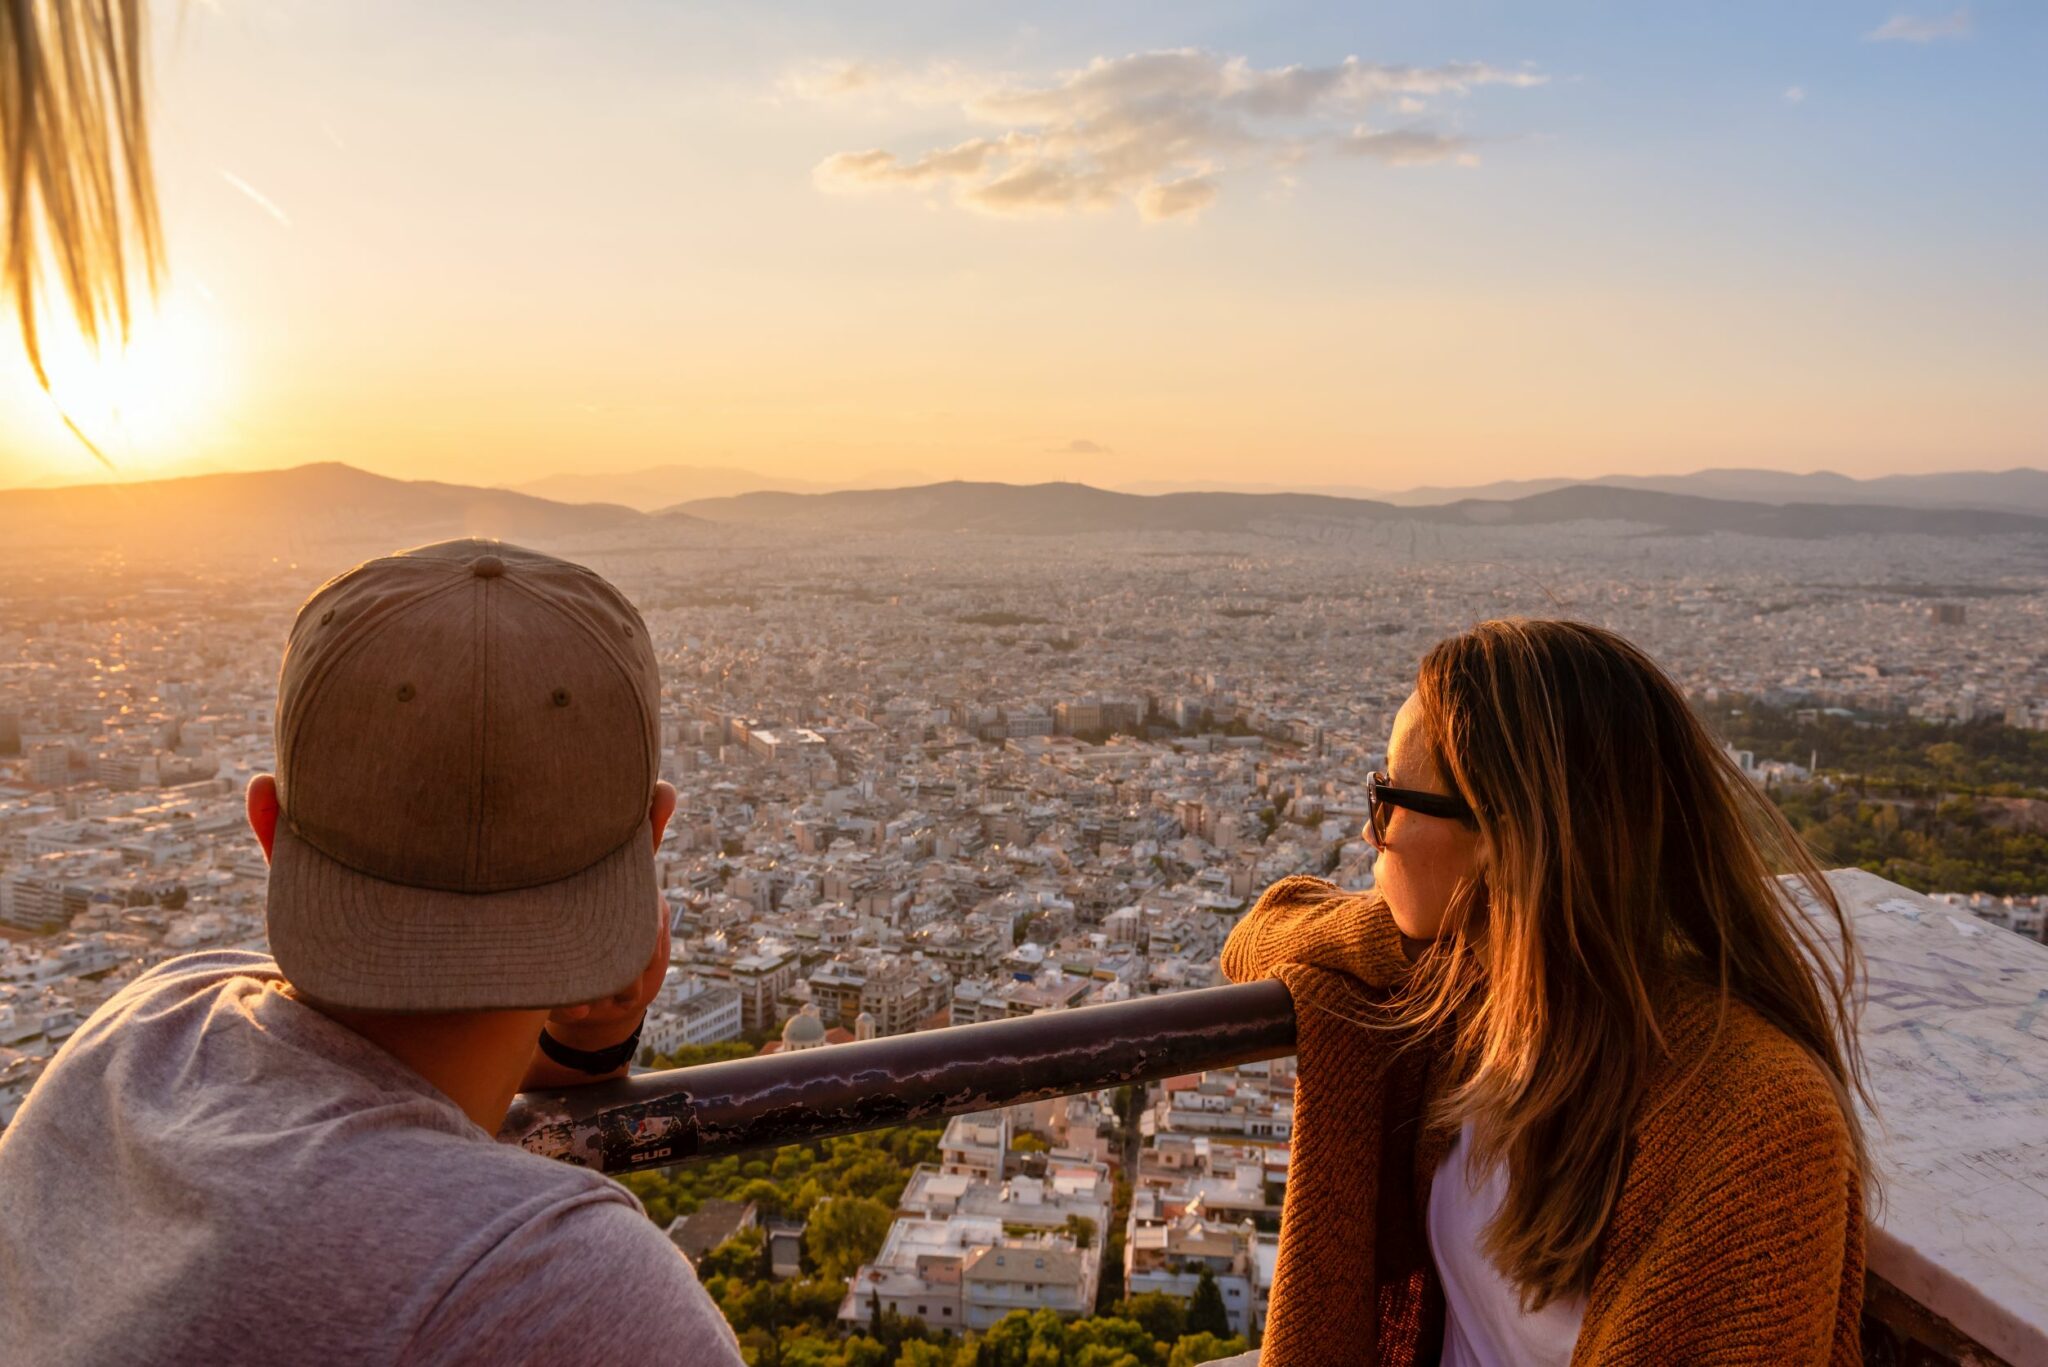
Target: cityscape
x=931, y=779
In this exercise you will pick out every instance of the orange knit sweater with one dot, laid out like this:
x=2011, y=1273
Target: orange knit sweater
x=1737, y=1237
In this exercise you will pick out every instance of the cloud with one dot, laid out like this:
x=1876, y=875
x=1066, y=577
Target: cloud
x=1795, y=94
x=1408, y=147
x=1907, y=28
x=1034, y=186
x=1181, y=198
x=1079, y=446
x=878, y=167
x=1155, y=130
x=936, y=84
x=829, y=79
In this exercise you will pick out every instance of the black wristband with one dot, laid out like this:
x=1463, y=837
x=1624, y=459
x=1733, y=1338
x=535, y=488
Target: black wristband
x=596, y=1062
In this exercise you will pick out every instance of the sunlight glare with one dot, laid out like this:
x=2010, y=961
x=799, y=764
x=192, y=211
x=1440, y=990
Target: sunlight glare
x=153, y=402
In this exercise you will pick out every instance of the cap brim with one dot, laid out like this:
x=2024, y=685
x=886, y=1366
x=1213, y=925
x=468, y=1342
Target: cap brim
x=351, y=940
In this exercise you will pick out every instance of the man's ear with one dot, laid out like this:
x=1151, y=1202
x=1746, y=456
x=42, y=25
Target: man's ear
x=658, y=811
x=263, y=810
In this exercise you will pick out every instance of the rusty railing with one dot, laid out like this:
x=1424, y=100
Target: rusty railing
x=654, y=1119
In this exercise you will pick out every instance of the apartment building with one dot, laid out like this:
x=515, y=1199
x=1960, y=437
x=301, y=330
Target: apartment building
x=691, y=1010
x=1168, y=1246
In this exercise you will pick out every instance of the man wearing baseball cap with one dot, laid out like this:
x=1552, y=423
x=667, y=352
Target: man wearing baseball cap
x=245, y=1160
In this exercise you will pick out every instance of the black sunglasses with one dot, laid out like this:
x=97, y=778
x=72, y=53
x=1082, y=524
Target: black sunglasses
x=1381, y=797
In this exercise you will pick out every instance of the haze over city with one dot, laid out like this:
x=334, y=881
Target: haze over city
x=1302, y=244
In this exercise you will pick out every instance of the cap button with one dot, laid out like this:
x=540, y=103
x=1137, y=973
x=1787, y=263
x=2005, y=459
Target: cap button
x=487, y=567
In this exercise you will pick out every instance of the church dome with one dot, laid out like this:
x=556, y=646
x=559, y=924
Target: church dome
x=803, y=1030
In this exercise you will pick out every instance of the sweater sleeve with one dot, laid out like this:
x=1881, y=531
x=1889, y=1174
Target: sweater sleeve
x=1351, y=1283
x=1749, y=1265
x=1309, y=921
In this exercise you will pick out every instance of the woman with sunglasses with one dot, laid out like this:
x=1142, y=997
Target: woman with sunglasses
x=1577, y=1076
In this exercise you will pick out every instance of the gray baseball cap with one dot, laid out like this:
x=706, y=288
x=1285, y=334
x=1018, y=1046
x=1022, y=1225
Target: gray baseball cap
x=468, y=738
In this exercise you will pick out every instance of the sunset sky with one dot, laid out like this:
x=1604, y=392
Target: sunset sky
x=1289, y=243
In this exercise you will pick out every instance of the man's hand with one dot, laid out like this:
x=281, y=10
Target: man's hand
x=600, y=1024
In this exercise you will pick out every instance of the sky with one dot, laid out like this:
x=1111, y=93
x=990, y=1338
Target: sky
x=1283, y=243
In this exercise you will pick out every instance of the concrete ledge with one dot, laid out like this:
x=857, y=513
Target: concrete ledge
x=1955, y=1035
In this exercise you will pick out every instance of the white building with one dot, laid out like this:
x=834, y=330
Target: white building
x=976, y=1145
x=690, y=1010
x=1042, y=1273
x=917, y=1273
x=1168, y=1253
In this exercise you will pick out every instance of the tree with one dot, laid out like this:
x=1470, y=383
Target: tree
x=864, y=1352
x=792, y=1160
x=767, y=1347
x=736, y=1257
x=1023, y=1340
x=1197, y=1348
x=1164, y=1317
x=1083, y=1230
x=917, y=1354
x=1111, y=1289
x=845, y=1232
x=691, y=1055
x=1112, y=1343
x=763, y=1195
x=1206, y=1314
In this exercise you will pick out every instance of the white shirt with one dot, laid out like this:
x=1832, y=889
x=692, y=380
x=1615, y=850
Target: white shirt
x=1484, y=1323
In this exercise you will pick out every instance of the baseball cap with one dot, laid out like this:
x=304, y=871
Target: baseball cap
x=468, y=738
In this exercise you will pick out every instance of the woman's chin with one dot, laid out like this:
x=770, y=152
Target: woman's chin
x=1413, y=928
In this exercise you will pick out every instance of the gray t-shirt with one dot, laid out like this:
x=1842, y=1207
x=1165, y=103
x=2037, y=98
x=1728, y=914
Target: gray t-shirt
x=211, y=1171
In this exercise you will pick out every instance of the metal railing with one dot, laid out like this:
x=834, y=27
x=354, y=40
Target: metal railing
x=654, y=1119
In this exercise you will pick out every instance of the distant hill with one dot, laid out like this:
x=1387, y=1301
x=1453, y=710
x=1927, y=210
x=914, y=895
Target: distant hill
x=1693, y=514
x=336, y=506
x=2018, y=490
x=325, y=504
x=664, y=486
x=1079, y=508
x=960, y=506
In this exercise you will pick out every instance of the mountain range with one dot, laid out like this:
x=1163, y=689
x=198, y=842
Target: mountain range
x=664, y=486
x=2018, y=490
x=281, y=510
x=1070, y=508
x=287, y=511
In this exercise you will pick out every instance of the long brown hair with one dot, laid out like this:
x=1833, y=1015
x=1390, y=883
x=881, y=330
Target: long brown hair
x=74, y=149
x=1621, y=846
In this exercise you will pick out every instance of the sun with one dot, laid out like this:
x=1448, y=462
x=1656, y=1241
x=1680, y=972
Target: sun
x=153, y=402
